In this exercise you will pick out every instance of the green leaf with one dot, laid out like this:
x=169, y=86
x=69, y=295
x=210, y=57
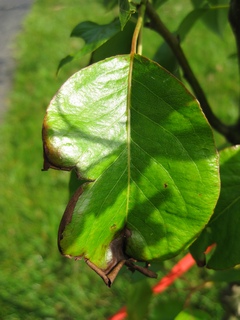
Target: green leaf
x=158, y=3
x=229, y=276
x=202, y=3
x=126, y=9
x=216, y=17
x=166, y=58
x=64, y=61
x=109, y=4
x=230, y=181
x=118, y=44
x=146, y=152
x=164, y=54
x=188, y=22
x=223, y=228
x=94, y=35
x=199, y=247
x=199, y=3
x=166, y=310
x=188, y=314
x=138, y=300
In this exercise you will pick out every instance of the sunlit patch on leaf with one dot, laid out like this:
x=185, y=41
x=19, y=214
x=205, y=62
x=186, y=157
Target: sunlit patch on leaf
x=142, y=145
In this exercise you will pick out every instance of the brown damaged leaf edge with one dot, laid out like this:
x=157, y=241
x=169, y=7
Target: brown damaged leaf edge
x=118, y=246
x=47, y=163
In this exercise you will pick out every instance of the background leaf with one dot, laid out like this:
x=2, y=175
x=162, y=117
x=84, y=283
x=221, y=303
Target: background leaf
x=118, y=44
x=158, y=3
x=125, y=12
x=188, y=22
x=142, y=144
x=109, y=4
x=165, y=57
x=138, y=300
x=188, y=314
x=94, y=35
x=229, y=275
x=223, y=229
x=166, y=310
x=217, y=16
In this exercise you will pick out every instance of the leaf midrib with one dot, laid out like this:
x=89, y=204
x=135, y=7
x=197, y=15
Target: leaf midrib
x=129, y=131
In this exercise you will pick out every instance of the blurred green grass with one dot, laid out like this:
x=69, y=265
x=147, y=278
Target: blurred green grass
x=35, y=281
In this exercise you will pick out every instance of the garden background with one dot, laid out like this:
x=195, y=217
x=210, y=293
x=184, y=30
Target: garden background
x=35, y=281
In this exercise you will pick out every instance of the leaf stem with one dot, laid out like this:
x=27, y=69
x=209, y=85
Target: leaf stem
x=137, y=35
x=231, y=133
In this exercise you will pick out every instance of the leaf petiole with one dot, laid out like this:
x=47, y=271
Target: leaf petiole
x=137, y=35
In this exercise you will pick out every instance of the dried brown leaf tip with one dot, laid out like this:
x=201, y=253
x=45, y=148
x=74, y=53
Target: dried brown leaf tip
x=119, y=259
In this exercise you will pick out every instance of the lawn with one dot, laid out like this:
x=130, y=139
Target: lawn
x=35, y=281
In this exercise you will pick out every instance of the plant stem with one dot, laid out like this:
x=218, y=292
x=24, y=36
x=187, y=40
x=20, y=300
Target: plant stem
x=137, y=35
x=230, y=132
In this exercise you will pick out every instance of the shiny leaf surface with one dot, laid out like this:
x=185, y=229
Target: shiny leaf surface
x=145, y=152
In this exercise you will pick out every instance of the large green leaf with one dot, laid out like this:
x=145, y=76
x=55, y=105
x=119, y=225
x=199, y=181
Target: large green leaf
x=145, y=152
x=223, y=229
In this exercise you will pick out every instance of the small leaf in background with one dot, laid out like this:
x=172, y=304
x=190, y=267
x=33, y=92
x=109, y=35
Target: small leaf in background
x=199, y=247
x=138, y=300
x=193, y=314
x=216, y=18
x=229, y=275
x=188, y=22
x=126, y=9
x=142, y=145
x=166, y=310
x=201, y=3
x=165, y=57
x=94, y=35
x=223, y=228
x=110, y=4
x=118, y=44
x=158, y=3
x=64, y=61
